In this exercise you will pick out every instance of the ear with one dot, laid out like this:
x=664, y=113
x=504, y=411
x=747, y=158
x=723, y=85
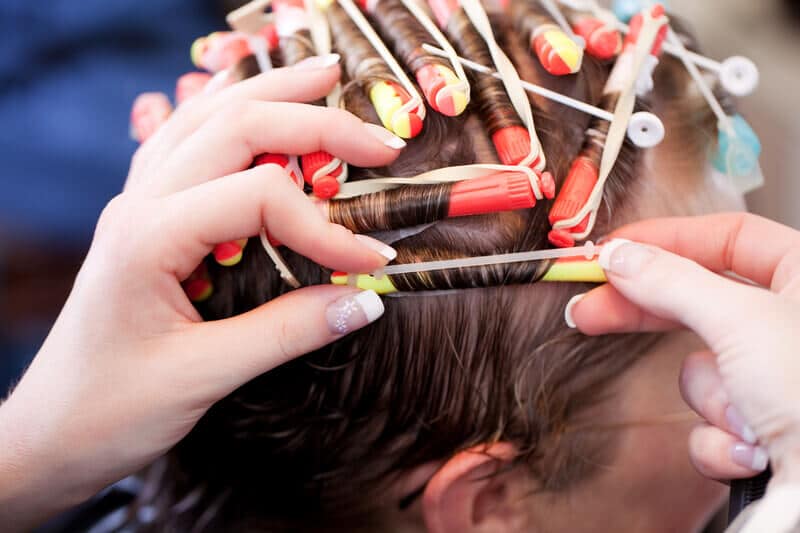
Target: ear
x=468, y=494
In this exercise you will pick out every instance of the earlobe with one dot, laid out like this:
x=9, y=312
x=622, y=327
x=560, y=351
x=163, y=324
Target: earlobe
x=465, y=495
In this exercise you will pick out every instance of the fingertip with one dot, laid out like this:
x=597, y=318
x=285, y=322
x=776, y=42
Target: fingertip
x=717, y=454
x=388, y=253
x=568, y=310
x=384, y=136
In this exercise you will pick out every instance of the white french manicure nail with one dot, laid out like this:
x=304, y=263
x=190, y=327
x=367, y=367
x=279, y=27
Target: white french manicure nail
x=385, y=136
x=568, y=309
x=318, y=62
x=625, y=258
x=377, y=246
x=739, y=426
x=608, y=250
x=749, y=456
x=353, y=312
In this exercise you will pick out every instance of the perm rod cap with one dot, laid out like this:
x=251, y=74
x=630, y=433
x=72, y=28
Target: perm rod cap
x=739, y=76
x=513, y=144
x=645, y=130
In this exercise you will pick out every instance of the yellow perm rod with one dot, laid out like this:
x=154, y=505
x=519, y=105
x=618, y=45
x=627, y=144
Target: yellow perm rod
x=577, y=264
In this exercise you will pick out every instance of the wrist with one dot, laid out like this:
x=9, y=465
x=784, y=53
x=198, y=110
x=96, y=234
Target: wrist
x=31, y=489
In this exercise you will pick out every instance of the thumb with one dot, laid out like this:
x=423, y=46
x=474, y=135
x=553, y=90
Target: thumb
x=678, y=289
x=220, y=356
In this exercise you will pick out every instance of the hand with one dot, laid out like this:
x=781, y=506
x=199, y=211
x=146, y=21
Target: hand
x=747, y=385
x=129, y=367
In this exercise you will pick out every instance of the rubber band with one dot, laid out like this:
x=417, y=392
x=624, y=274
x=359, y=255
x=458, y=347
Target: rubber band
x=433, y=177
x=449, y=52
x=510, y=78
x=321, y=38
x=531, y=87
x=280, y=265
x=416, y=101
x=617, y=131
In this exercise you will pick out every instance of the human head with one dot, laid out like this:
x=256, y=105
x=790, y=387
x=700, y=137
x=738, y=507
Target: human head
x=480, y=396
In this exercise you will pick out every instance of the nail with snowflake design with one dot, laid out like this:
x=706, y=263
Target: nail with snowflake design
x=352, y=312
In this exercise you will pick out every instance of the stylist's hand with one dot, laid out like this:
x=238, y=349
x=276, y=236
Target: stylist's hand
x=129, y=367
x=747, y=386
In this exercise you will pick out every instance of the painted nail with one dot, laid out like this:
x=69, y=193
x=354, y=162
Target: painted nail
x=568, y=309
x=318, y=62
x=353, y=312
x=624, y=258
x=377, y=246
x=385, y=136
x=738, y=425
x=749, y=456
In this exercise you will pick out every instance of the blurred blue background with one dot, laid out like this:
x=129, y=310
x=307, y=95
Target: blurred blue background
x=69, y=72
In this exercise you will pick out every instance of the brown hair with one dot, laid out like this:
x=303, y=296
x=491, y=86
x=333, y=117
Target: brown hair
x=314, y=444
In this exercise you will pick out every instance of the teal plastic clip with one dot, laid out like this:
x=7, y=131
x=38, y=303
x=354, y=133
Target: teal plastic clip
x=737, y=155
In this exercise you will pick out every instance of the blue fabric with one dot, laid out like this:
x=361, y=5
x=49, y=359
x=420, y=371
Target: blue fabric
x=69, y=71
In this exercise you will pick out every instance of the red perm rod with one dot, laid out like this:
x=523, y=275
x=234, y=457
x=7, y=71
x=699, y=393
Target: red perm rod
x=291, y=22
x=504, y=191
x=603, y=40
x=584, y=173
x=501, y=191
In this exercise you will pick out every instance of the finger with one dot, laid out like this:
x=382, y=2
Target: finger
x=305, y=82
x=255, y=342
x=717, y=454
x=753, y=247
x=604, y=310
x=193, y=221
x=702, y=388
x=677, y=289
x=229, y=142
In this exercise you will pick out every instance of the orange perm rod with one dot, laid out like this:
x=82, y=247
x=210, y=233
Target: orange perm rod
x=321, y=170
x=557, y=52
x=223, y=49
x=583, y=176
x=443, y=89
x=603, y=40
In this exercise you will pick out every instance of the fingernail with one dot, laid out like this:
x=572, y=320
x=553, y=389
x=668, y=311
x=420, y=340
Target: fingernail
x=353, y=312
x=377, y=246
x=318, y=62
x=385, y=136
x=624, y=258
x=748, y=456
x=738, y=425
x=568, y=309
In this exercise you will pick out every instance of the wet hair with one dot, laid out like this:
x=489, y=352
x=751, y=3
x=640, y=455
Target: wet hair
x=317, y=443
